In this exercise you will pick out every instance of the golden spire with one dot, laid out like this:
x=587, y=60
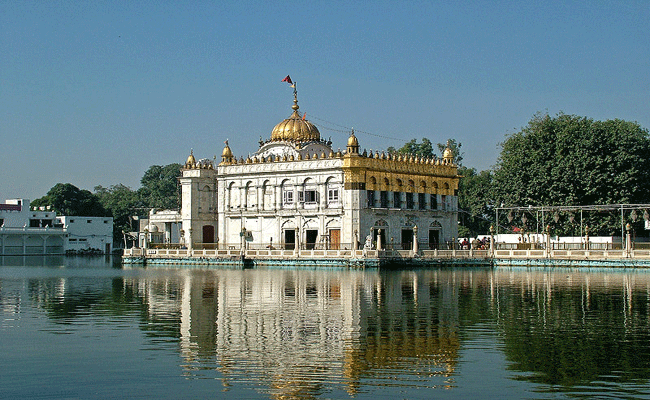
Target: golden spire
x=448, y=154
x=190, y=159
x=353, y=144
x=226, y=154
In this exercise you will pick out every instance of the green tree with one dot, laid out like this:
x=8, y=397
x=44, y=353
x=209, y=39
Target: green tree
x=474, y=200
x=67, y=199
x=424, y=149
x=572, y=160
x=160, y=186
x=122, y=203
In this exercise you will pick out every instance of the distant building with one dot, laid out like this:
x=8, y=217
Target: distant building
x=88, y=233
x=162, y=227
x=27, y=231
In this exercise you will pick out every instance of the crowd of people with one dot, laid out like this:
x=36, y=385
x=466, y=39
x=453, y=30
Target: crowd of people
x=476, y=243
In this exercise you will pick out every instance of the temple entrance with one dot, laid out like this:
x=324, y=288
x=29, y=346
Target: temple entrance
x=407, y=239
x=335, y=239
x=290, y=239
x=208, y=234
x=310, y=238
x=434, y=238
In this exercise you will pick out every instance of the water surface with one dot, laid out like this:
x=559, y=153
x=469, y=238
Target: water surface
x=88, y=328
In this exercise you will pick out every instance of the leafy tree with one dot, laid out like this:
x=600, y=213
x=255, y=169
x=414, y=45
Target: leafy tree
x=160, y=186
x=424, y=149
x=572, y=160
x=474, y=200
x=122, y=203
x=67, y=199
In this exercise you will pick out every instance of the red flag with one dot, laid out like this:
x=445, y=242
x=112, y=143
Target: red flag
x=304, y=116
x=288, y=80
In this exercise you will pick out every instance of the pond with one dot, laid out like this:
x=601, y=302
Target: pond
x=90, y=328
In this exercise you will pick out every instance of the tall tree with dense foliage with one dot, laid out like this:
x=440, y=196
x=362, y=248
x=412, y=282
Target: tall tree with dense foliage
x=573, y=160
x=476, y=212
x=160, y=186
x=123, y=203
x=67, y=199
x=423, y=149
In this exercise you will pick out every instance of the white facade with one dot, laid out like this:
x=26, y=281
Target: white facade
x=88, y=233
x=40, y=231
x=163, y=227
x=26, y=231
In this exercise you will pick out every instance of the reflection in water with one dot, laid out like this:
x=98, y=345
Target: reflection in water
x=300, y=332
x=569, y=327
x=313, y=333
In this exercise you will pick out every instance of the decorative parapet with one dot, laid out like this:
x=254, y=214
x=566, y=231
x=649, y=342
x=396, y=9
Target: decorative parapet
x=401, y=173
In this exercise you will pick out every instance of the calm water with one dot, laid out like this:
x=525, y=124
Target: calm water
x=88, y=328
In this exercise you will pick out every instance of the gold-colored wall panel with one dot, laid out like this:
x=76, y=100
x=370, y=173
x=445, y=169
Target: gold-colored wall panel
x=400, y=176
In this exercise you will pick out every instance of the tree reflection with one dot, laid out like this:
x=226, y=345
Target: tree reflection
x=571, y=329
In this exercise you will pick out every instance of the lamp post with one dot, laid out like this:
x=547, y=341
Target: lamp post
x=628, y=239
x=415, y=240
x=548, y=240
x=491, y=240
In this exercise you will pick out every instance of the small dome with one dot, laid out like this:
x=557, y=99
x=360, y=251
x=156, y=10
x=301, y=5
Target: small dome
x=190, y=159
x=226, y=153
x=448, y=155
x=152, y=228
x=352, y=141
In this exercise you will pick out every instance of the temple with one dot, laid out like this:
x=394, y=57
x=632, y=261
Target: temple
x=296, y=191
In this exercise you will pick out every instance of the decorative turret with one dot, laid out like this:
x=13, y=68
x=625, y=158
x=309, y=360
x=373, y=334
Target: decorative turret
x=226, y=154
x=191, y=161
x=353, y=144
x=448, y=155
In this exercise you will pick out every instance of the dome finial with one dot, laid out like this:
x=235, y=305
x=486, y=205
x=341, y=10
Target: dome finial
x=295, y=106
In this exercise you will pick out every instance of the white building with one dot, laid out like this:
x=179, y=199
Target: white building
x=25, y=231
x=296, y=190
x=86, y=233
x=162, y=227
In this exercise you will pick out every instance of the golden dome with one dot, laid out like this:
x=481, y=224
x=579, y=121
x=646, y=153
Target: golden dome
x=353, y=144
x=226, y=153
x=448, y=155
x=295, y=128
x=352, y=141
x=190, y=159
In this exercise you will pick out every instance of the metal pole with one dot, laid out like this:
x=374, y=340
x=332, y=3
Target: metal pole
x=581, y=222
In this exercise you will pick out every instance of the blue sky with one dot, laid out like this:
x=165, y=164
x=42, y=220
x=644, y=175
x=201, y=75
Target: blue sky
x=95, y=92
